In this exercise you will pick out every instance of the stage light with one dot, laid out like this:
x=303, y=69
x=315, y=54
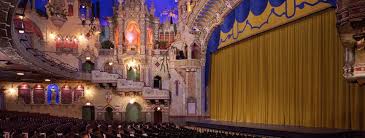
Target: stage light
x=47, y=80
x=20, y=74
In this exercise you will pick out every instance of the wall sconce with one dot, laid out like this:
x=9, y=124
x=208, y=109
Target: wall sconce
x=131, y=101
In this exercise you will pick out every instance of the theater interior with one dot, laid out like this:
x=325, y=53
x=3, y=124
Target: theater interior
x=182, y=68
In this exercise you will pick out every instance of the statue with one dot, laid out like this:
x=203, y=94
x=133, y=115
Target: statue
x=53, y=96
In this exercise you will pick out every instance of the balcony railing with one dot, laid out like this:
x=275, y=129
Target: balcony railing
x=188, y=63
x=106, y=52
x=149, y=93
x=103, y=77
x=129, y=85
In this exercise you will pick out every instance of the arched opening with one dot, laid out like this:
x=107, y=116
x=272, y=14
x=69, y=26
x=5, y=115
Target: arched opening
x=133, y=112
x=157, y=115
x=78, y=93
x=195, y=51
x=88, y=112
x=38, y=94
x=132, y=35
x=53, y=94
x=88, y=66
x=108, y=114
x=157, y=82
x=108, y=67
x=24, y=93
x=66, y=95
x=133, y=70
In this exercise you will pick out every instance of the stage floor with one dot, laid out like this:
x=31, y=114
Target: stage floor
x=276, y=130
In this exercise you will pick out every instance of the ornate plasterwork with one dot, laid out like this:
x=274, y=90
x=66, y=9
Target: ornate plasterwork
x=351, y=28
x=206, y=15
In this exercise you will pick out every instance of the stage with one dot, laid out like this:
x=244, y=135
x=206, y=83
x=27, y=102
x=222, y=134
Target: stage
x=276, y=130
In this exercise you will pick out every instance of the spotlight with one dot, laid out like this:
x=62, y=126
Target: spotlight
x=47, y=80
x=20, y=74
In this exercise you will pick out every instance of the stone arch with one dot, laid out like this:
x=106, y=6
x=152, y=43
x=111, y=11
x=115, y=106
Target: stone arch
x=108, y=115
x=132, y=35
x=133, y=112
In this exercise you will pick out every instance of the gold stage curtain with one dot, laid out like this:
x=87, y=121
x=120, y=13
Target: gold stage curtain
x=291, y=75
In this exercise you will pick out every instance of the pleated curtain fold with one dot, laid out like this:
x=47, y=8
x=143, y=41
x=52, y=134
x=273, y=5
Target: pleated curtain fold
x=291, y=75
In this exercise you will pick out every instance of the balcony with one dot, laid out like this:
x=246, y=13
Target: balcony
x=124, y=85
x=188, y=63
x=103, y=77
x=106, y=52
x=154, y=94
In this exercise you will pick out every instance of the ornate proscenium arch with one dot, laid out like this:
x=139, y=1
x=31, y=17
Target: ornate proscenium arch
x=250, y=17
x=14, y=48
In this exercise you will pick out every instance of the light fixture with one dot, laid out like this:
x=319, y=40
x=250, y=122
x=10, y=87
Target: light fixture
x=158, y=108
x=12, y=91
x=131, y=101
x=88, y=104
x=21, y=17
x=88, y=58
x=132, y=63
x=110, y=63
x=81, y=37
x=20, y=74
x=52, y=35
x=21, y=31
x=47, y=80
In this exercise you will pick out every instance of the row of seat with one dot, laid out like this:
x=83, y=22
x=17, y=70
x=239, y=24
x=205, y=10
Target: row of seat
x=34, y=125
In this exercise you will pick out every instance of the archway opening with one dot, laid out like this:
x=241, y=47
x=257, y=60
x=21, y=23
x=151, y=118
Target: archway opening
x=108, y=114
x=88, y=66
x=157, y=82
x=157, y=115
x=133, y=70
x=132, y=35
x=133, y=112
x=195, y=51
x=108, y=67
